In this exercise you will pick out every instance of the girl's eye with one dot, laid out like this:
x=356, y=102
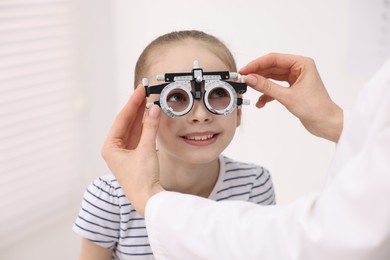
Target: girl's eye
x=176, y=97
x=218, y=93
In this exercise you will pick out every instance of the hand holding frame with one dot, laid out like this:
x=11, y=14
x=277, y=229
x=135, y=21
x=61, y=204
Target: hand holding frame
x=306, y=97
x=130, y=150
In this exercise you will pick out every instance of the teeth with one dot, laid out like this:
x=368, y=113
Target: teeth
x=199, y=138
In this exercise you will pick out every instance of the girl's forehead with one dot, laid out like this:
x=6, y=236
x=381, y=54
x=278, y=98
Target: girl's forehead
x=180, y=58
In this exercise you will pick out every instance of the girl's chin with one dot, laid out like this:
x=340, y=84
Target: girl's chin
x=199, y=158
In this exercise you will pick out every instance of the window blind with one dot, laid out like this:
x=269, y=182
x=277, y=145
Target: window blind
x=40, y=120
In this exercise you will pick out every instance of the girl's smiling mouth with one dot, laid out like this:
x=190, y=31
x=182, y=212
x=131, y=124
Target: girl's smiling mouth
x=200, y=139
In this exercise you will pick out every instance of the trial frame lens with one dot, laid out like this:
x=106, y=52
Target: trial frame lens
x=176, y=107
x=225, y=100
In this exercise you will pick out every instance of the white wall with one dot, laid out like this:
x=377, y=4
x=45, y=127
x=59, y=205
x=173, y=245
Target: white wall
x=270, y=137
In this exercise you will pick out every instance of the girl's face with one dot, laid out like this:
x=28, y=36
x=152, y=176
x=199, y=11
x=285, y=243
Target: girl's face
x=199, y=136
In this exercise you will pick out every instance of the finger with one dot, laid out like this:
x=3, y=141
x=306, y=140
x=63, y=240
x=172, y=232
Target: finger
x=131, y=113
x=263, y=100
x=287, y=77
x=266, y=87
x=150, y=127
x=133, y=133
x=135, y=129
x=276, y=61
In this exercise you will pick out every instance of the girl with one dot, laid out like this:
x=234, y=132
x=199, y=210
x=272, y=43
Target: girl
x=189, y=153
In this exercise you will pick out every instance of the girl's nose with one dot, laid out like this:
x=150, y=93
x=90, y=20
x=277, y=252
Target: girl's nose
x=199, y=113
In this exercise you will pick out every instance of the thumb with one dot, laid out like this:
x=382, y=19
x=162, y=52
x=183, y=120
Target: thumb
x=150, y=126
x=265, y=86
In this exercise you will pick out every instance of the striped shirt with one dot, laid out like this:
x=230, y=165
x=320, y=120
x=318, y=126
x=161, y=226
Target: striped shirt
x=108, y=219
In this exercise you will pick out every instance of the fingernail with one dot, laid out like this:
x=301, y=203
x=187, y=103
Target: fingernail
x=154, y=111
x=251, y=80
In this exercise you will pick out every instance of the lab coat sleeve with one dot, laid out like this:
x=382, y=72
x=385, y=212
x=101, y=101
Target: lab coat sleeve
x=349, y=219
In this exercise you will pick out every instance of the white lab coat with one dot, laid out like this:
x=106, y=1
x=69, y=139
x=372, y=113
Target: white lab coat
x=348, y=220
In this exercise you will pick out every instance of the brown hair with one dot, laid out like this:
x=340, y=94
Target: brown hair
x=213, y=43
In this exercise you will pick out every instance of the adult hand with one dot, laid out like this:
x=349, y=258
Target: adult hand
x=130, y=150
x=306, y=97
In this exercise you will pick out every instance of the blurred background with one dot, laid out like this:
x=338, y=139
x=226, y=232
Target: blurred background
x=66, y=68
